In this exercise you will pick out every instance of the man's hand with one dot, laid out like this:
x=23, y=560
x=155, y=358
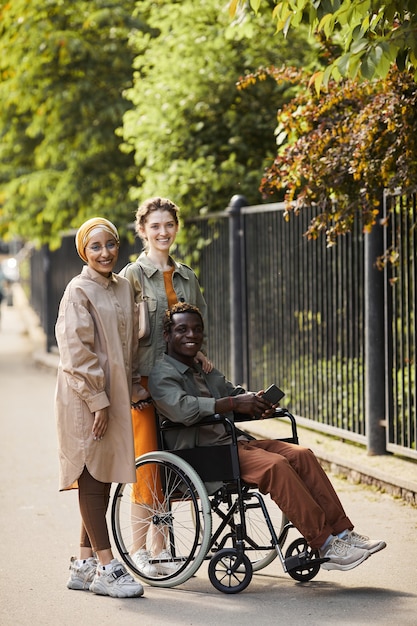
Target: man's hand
x=253, y=404
x=249, y=403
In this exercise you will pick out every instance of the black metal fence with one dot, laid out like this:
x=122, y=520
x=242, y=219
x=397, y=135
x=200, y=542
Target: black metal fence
x=400, y=327
x=287, y=310
x=301, y=310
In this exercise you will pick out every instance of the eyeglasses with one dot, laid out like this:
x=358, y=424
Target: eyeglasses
x=111, y=246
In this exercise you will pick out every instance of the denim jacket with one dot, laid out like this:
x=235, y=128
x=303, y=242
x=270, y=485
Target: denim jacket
x=187, y=288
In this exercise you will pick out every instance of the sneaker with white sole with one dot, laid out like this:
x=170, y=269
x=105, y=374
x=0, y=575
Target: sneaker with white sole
x=165, y=564
x=341, y=555
x=114, y=580
x=141, y=560
x=82, y=573
x=361, y=541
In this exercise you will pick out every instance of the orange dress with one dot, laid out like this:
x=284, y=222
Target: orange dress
x=144, y=421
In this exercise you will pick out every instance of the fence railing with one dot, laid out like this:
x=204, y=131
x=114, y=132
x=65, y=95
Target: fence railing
x=300, y=306
x=313, y=319
x=400, y=326
x=336, y=333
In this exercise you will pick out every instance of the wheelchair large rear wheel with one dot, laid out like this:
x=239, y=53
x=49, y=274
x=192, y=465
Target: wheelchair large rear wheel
x=168, y=506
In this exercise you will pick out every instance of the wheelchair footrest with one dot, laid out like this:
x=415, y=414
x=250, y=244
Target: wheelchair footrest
x=302, y=560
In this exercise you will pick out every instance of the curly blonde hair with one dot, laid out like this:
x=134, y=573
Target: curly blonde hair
x=149, y=206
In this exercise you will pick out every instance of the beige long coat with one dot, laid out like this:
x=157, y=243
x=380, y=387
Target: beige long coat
x=96, y=332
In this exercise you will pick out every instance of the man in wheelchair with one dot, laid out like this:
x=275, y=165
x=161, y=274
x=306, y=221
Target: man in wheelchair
x=291, y=474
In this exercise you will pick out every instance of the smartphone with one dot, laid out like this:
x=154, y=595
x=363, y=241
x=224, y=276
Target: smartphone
x=273, y=394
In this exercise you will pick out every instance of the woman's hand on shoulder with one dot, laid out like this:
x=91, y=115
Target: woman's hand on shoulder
x=139, y=392
x=206, y=364
x=140, y=397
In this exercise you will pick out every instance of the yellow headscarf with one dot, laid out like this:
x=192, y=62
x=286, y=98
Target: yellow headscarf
x=85, y=231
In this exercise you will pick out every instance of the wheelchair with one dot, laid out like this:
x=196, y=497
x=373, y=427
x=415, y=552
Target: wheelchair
x=196, y=504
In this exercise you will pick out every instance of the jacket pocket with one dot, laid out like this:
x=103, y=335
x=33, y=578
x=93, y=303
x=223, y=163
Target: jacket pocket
x=152, y=308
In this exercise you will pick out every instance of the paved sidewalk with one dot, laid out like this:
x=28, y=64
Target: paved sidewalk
x=40, y=529
x=388, y=473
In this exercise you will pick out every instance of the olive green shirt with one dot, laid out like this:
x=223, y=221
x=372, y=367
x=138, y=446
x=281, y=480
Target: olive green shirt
x=178, y=398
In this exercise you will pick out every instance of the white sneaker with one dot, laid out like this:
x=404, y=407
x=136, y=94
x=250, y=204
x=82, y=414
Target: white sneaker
x=165, y=564
x=82, y=573
x=361, y=541
x=113, y=580
x=342, y=555
x=141, y=560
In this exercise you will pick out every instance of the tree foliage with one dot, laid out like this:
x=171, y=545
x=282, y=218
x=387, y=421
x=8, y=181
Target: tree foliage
x=63, y=68
x=373, y=35
x=339, y=149
x=196, y=138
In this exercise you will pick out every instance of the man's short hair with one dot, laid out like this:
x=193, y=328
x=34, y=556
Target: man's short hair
x=180, y=307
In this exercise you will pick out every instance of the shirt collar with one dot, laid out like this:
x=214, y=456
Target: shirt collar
x=150, y=269
x=99, y=278
x=181, y=367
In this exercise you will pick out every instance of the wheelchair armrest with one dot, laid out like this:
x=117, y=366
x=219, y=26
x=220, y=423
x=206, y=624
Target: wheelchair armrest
x=280, y=412
x=209, y=419
x=244, y=417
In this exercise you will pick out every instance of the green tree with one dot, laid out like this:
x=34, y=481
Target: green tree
x=196, y=138
x=339, y=148
x=373, y=34
x=63, y=68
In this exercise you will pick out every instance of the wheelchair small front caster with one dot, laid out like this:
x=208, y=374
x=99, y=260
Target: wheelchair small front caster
x=230, y=571
x=302, y=562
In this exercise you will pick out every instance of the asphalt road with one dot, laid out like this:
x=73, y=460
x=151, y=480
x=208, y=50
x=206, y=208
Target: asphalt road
x=39, y=530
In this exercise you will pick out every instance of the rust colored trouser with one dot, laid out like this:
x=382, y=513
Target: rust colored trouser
x=93, y=498
x=298, y=484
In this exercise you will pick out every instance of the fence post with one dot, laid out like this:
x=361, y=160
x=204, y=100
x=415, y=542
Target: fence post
x=48, y=319
x=237, y=291
x=374, y=342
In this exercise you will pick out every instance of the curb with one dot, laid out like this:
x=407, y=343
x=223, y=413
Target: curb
x=387, y=473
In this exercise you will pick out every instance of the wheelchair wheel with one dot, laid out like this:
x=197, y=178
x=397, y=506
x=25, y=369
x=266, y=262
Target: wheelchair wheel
x=229, y=571
x=307, y=570
x=167, y=506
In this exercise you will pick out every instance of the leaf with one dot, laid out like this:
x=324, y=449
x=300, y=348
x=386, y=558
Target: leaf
x=343, y=63
x=255, y=4
x=317, y=81
x=383, y=63
x=359, y=45
x=327, y=74
x=368, y=66
x=233, y=4
x=281, y=137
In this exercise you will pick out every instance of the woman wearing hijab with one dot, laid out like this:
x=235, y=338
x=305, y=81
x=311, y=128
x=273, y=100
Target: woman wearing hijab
x=96, y=333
